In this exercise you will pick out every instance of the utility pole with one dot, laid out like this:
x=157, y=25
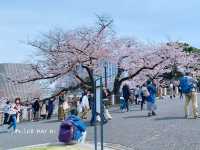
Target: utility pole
x=105, y=74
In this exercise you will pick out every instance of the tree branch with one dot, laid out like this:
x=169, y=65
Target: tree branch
x=140, y=70
x=79, y=78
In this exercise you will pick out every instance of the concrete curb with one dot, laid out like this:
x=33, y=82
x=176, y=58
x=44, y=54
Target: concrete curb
x=88, y=146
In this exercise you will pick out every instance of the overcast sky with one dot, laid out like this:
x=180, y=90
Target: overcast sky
x=149, y=20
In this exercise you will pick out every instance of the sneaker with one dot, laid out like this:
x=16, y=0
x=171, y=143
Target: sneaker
x=110, y=118
x=149, y=114
x=186, y=117
x=9, y=127
x=195, y=117
x=153, y=113
x=105, y=121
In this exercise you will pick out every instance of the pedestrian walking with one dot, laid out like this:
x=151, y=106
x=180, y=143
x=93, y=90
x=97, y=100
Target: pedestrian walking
x=43, y=110
x=144, y=95
x=93, y=111
x=137, y=94
x=151, y=99
x=12, y=118
x=106, y=95
x=66, y=107
x=171, y=90
x=180, y=92
x=85, y=106
x=61, y=112
x=126, y=95
x=95, y=116
x=90, y=99
x=187, y=84
x=36, y=109
x=15, y=111
x=50, y=108
x=18, y=108
x=6, y=111
x=122, y=104
x=174, y=90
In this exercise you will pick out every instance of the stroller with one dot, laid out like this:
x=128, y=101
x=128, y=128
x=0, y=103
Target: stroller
x=72, y=130
x=122, y=104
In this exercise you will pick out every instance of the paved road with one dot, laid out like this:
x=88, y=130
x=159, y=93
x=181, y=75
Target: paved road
x=168, y=130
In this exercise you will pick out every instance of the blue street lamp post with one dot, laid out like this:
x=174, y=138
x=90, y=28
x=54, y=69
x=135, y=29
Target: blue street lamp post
x=98, y=88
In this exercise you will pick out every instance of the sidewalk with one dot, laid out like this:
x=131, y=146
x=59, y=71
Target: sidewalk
x=86, y=146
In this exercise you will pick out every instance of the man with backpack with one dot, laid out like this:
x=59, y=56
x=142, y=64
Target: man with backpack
x=187, y=85
x=151, y=99
x=72, y=130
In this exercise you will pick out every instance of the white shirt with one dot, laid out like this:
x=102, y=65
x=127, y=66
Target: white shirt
x=65, y=105
x=137, y=91
x=13, y=111
x=145, y=91
x=85, y=102
x=7, y=108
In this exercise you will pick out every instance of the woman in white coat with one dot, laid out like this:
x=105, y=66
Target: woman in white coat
x=85, y=106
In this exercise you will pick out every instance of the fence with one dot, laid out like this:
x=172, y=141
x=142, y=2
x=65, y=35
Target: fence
x=1, y=118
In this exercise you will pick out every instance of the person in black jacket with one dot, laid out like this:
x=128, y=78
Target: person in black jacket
x=126, y=95
x=36, y=107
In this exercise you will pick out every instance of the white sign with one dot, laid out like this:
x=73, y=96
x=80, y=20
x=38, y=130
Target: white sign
x=98, y=97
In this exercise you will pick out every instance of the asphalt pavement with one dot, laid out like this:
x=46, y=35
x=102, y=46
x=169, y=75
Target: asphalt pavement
x=169, y=130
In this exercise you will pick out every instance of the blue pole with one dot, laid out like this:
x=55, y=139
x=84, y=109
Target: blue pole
x=95, y=124
x=101, y=111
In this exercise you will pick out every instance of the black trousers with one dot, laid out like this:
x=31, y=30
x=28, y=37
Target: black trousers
x=49, y=115
x=136, y=98
x=127, y=104
x=6, y=117
x=143, y=101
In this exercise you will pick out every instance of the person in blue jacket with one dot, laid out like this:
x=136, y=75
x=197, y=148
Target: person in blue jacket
x=50, y=108
x=151, y=99
x=72, y=129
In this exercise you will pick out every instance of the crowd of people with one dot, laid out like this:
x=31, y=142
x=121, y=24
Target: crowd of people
x=73, y=113
x=144, y=94
x=85, y=107
x=37, y=110
x=186, y=85
x=32, y=111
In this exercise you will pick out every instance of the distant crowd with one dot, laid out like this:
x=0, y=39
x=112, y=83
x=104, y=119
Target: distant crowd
x=73, y=112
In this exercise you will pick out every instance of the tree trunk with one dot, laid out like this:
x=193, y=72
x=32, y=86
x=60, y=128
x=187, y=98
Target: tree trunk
x=116, y=90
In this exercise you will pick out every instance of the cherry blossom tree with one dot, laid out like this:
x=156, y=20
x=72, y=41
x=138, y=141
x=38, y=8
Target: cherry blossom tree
x=78, y=52
x=132, y=58
x=177, y=57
